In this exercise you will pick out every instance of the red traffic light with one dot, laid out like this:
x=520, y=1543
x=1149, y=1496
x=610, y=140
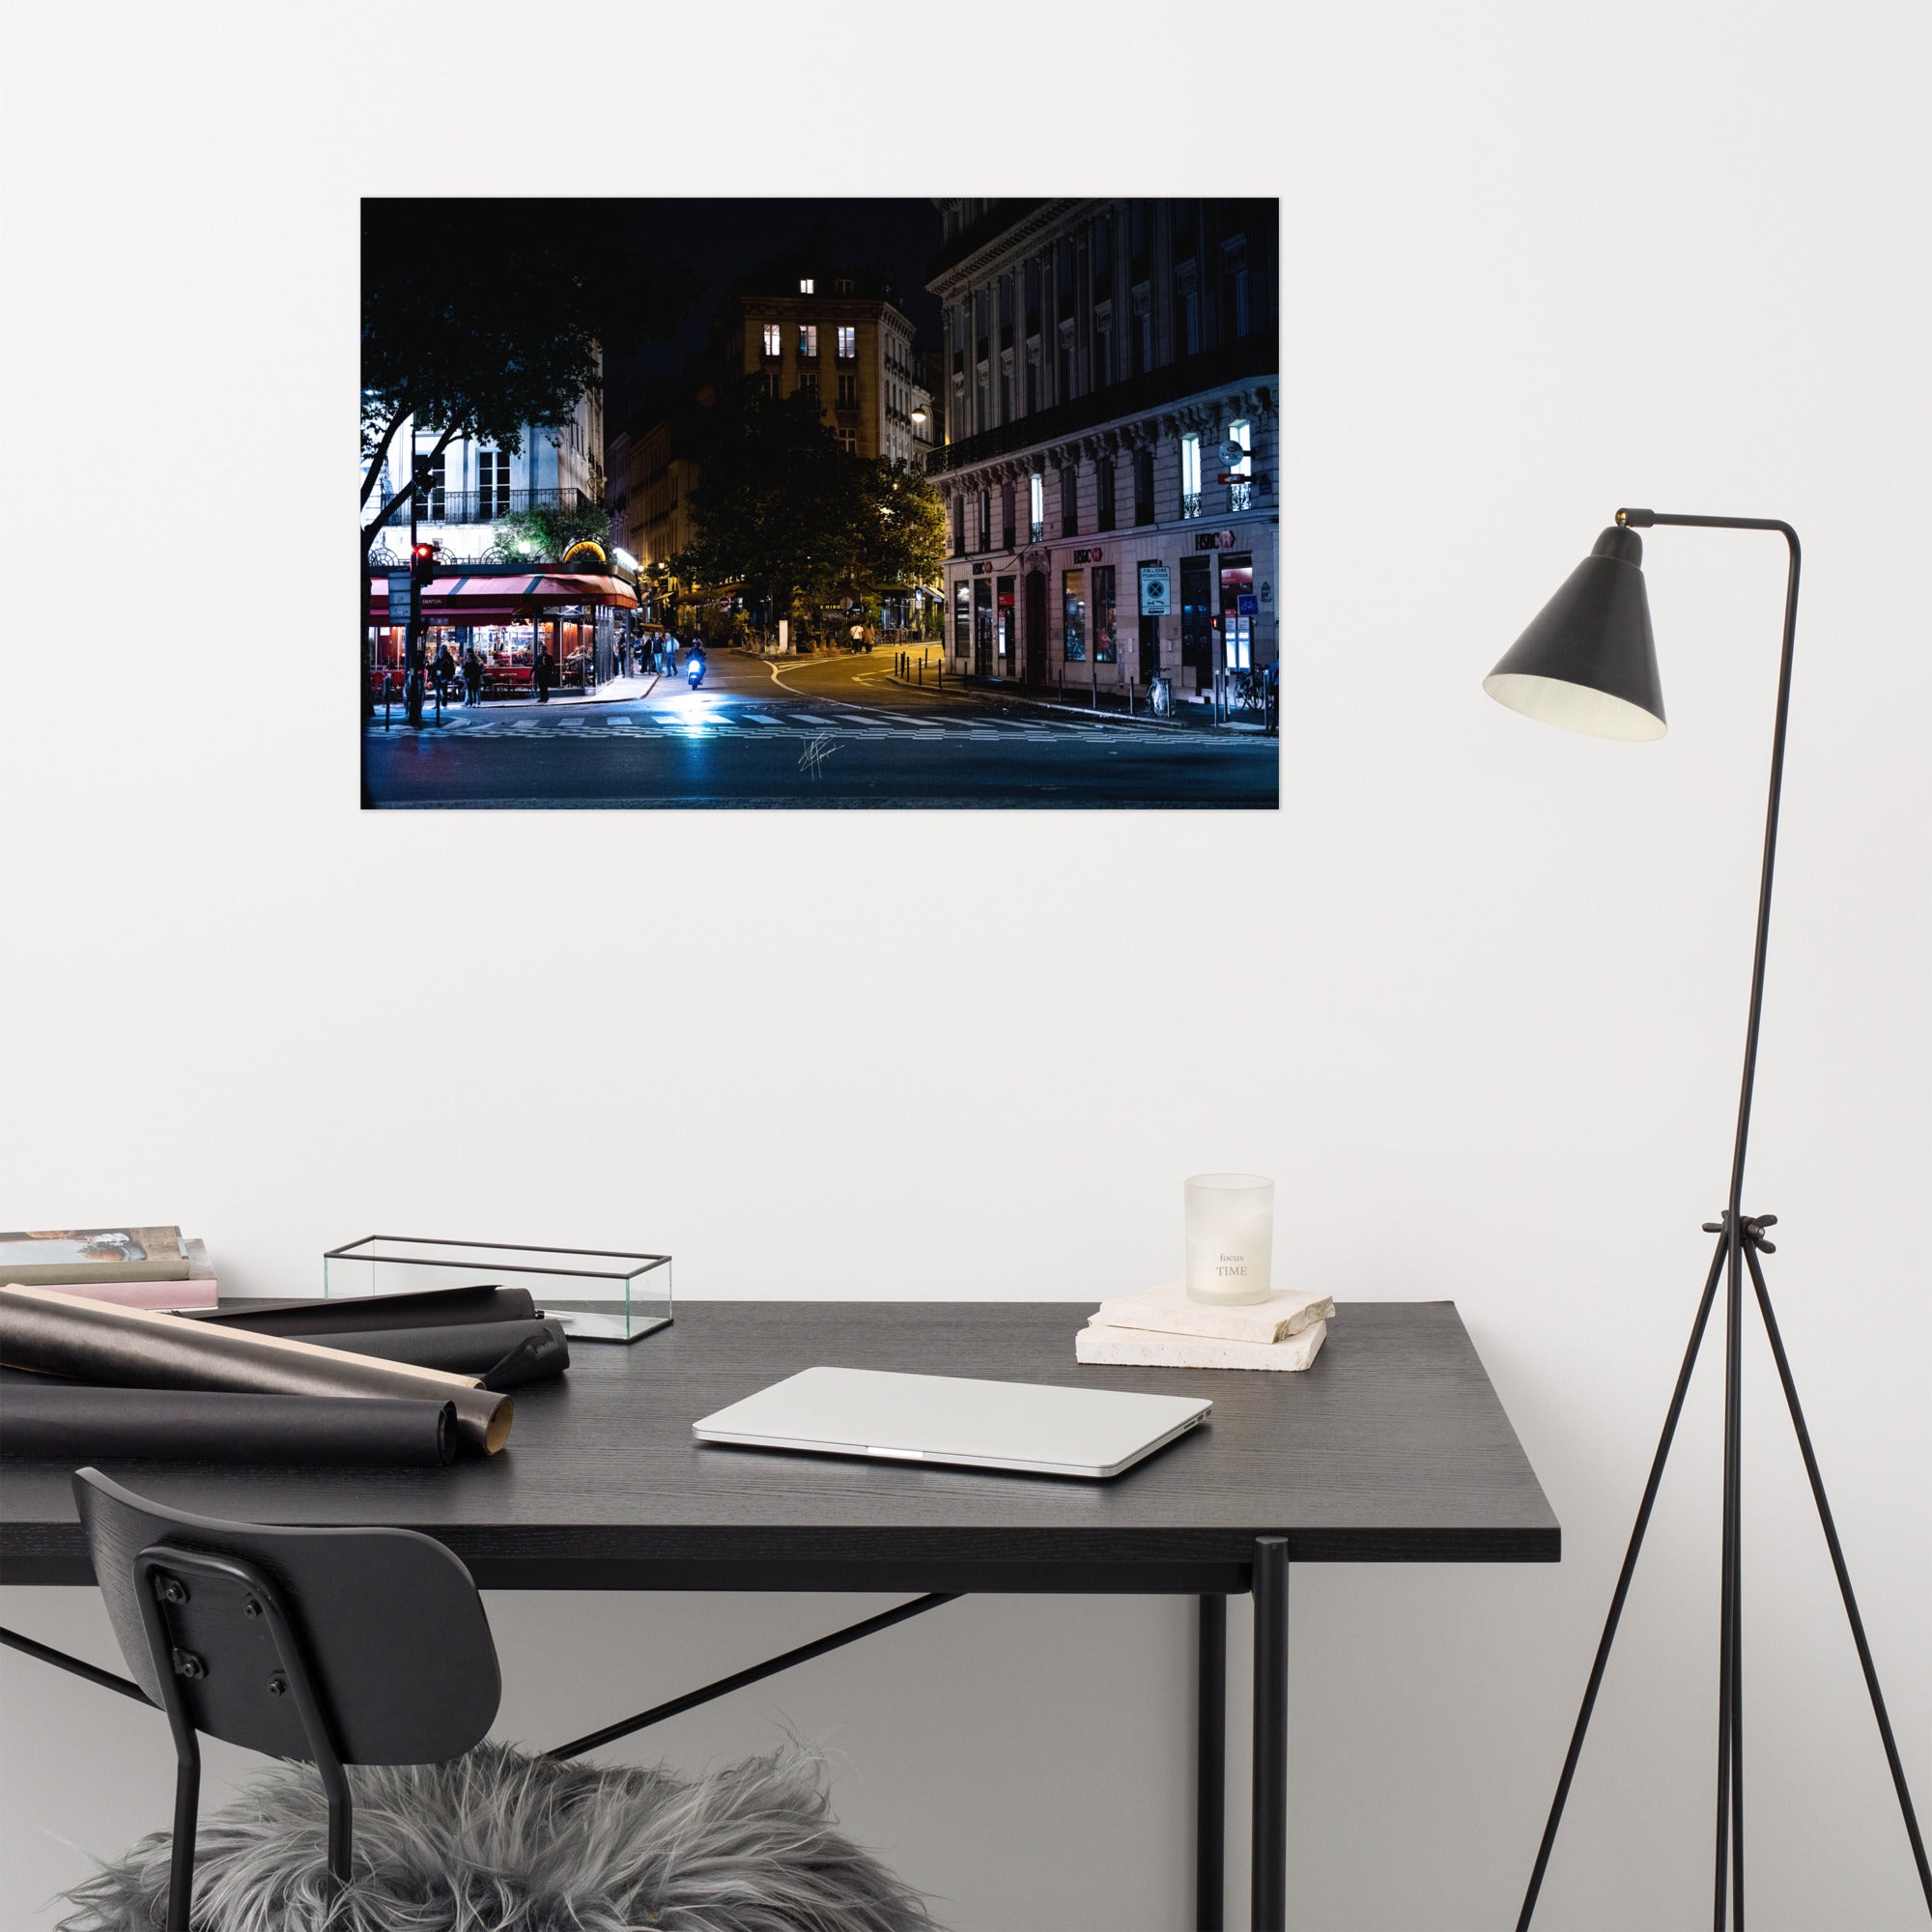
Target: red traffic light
x=423, y=562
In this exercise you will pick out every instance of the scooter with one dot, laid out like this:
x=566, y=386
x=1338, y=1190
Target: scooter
x=696, y=671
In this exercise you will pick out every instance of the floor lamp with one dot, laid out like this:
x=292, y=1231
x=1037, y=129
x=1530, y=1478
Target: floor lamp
x=1588, y=662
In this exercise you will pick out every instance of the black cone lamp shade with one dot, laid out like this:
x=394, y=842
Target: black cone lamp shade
x=1588, y=661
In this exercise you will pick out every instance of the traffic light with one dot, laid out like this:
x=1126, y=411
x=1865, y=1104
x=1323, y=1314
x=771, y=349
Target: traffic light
x=423, y=564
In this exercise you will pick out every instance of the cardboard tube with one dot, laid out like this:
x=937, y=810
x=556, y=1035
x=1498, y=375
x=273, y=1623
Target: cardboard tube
x=138, y=1347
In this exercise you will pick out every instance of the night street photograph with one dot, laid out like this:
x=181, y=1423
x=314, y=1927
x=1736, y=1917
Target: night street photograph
x=834, y=504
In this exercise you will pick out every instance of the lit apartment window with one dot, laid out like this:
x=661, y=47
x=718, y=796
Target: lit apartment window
x=848, y=342
x=1190, y=475
x=1241, y=471
x=772, y=346
x=1036, y=505
x=804, y=287
x=808, y=342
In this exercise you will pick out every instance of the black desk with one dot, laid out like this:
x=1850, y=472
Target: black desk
x=1391, y=1448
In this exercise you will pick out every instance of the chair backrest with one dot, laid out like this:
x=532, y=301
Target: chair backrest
x=391, y=1632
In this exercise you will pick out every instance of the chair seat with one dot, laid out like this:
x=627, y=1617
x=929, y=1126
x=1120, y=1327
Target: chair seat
x=499, y=1841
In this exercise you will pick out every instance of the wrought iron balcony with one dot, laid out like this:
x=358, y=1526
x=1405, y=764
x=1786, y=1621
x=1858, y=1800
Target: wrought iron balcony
x=1190, y=502
x=483, y=507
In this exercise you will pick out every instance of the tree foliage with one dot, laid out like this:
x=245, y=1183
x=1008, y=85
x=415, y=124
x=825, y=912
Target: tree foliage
x=546, y=533
x=782, y=510
x=773, y=508
x=482, y=317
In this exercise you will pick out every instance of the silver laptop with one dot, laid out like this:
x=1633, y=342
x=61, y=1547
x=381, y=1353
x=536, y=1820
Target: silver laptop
x=979, y=1425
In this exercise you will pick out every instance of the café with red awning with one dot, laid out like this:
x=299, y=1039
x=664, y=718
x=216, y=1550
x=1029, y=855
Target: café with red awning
x=504, y=612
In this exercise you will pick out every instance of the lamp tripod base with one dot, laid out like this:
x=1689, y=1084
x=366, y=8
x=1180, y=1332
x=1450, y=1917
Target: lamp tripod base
x=1741, y=1241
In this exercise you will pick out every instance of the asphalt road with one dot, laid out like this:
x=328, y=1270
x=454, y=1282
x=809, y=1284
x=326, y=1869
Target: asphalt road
x=820, y=732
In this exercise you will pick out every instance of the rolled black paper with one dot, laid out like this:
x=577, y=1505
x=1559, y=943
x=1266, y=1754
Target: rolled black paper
x=66, y=1422
x=466, y=1348
x=137, y=1347
x=363, y=1314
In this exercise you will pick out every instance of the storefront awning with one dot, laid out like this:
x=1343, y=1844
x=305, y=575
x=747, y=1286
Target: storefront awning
x=505, y=598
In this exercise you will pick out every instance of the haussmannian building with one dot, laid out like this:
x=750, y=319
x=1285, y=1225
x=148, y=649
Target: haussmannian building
x=1111, y=464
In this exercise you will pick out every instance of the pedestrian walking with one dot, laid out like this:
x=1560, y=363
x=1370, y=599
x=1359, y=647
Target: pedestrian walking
x=441, y=671
x=545, y=675
x=472, y=675
x=671, y=657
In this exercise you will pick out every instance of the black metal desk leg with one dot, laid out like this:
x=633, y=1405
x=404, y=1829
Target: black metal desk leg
x=1269, y=1894
x=1210, y=1768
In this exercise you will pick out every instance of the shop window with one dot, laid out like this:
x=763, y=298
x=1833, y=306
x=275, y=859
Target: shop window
x=1104, y=501
x=1144, y=486
x=1037, y=506
x=774, y=345
x=1069, y=500
x=1190, y=475
x=1106, y=649
x=1073, y=616
x=808, y=342
x=963, y=618
x=848, y=342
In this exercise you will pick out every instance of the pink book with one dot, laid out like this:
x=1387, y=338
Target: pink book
x=159, y=1294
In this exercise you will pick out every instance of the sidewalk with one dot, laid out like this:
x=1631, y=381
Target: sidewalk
x=1185, y=718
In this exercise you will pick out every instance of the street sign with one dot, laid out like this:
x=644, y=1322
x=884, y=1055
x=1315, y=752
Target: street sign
x=1157, y=591
x=1246, y=606
x=400, y=584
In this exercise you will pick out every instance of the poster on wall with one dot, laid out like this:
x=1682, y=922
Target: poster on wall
x=819, y=503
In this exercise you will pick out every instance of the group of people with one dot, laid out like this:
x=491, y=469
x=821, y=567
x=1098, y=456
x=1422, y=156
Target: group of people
x=657, y=653
x=444, y=669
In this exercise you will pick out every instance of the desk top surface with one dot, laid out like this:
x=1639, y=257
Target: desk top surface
x=1391, y=1447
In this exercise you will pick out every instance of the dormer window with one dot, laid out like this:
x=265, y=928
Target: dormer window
x=804, y=287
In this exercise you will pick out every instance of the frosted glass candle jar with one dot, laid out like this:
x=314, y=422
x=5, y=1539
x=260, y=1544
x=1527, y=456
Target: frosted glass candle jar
x=1229, y=1236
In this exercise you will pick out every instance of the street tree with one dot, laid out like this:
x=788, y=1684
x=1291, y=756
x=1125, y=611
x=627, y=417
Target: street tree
x=775, y=506
x=483, y=318
x=899, y=531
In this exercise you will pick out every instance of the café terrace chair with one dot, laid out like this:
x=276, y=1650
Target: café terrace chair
x=371, y=1647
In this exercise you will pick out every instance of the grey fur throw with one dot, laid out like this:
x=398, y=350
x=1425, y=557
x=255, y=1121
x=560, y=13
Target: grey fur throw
x=496, y=1841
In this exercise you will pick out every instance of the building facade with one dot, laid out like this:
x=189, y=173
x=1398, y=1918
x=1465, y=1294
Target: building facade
x=470, y=485
x=1111, y=468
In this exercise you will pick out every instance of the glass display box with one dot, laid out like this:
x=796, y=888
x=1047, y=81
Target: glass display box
x=598, y=1295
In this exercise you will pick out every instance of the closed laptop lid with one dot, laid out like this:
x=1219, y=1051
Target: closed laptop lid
x=953, y=1419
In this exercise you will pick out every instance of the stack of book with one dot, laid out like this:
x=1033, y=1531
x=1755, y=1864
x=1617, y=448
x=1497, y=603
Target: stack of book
x=131, y=1267
x=1162, y=1328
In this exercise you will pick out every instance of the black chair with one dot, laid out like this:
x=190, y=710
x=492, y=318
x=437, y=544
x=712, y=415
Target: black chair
x=329, y=1646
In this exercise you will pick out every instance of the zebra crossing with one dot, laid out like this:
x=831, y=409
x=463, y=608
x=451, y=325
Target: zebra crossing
x=691, y=722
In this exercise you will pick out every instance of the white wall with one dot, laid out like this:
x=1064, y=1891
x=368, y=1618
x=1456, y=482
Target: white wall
x=1489, y=979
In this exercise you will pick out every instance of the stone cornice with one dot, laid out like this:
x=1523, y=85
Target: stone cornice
x=990, y=257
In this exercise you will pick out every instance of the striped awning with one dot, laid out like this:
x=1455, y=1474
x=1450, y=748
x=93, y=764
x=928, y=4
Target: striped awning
x=505, y=598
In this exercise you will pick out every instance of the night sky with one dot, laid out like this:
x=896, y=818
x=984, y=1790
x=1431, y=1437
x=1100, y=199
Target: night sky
x=719, y=240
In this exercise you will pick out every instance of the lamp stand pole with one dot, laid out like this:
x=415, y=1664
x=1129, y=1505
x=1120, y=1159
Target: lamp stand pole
x=1741, y=1239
